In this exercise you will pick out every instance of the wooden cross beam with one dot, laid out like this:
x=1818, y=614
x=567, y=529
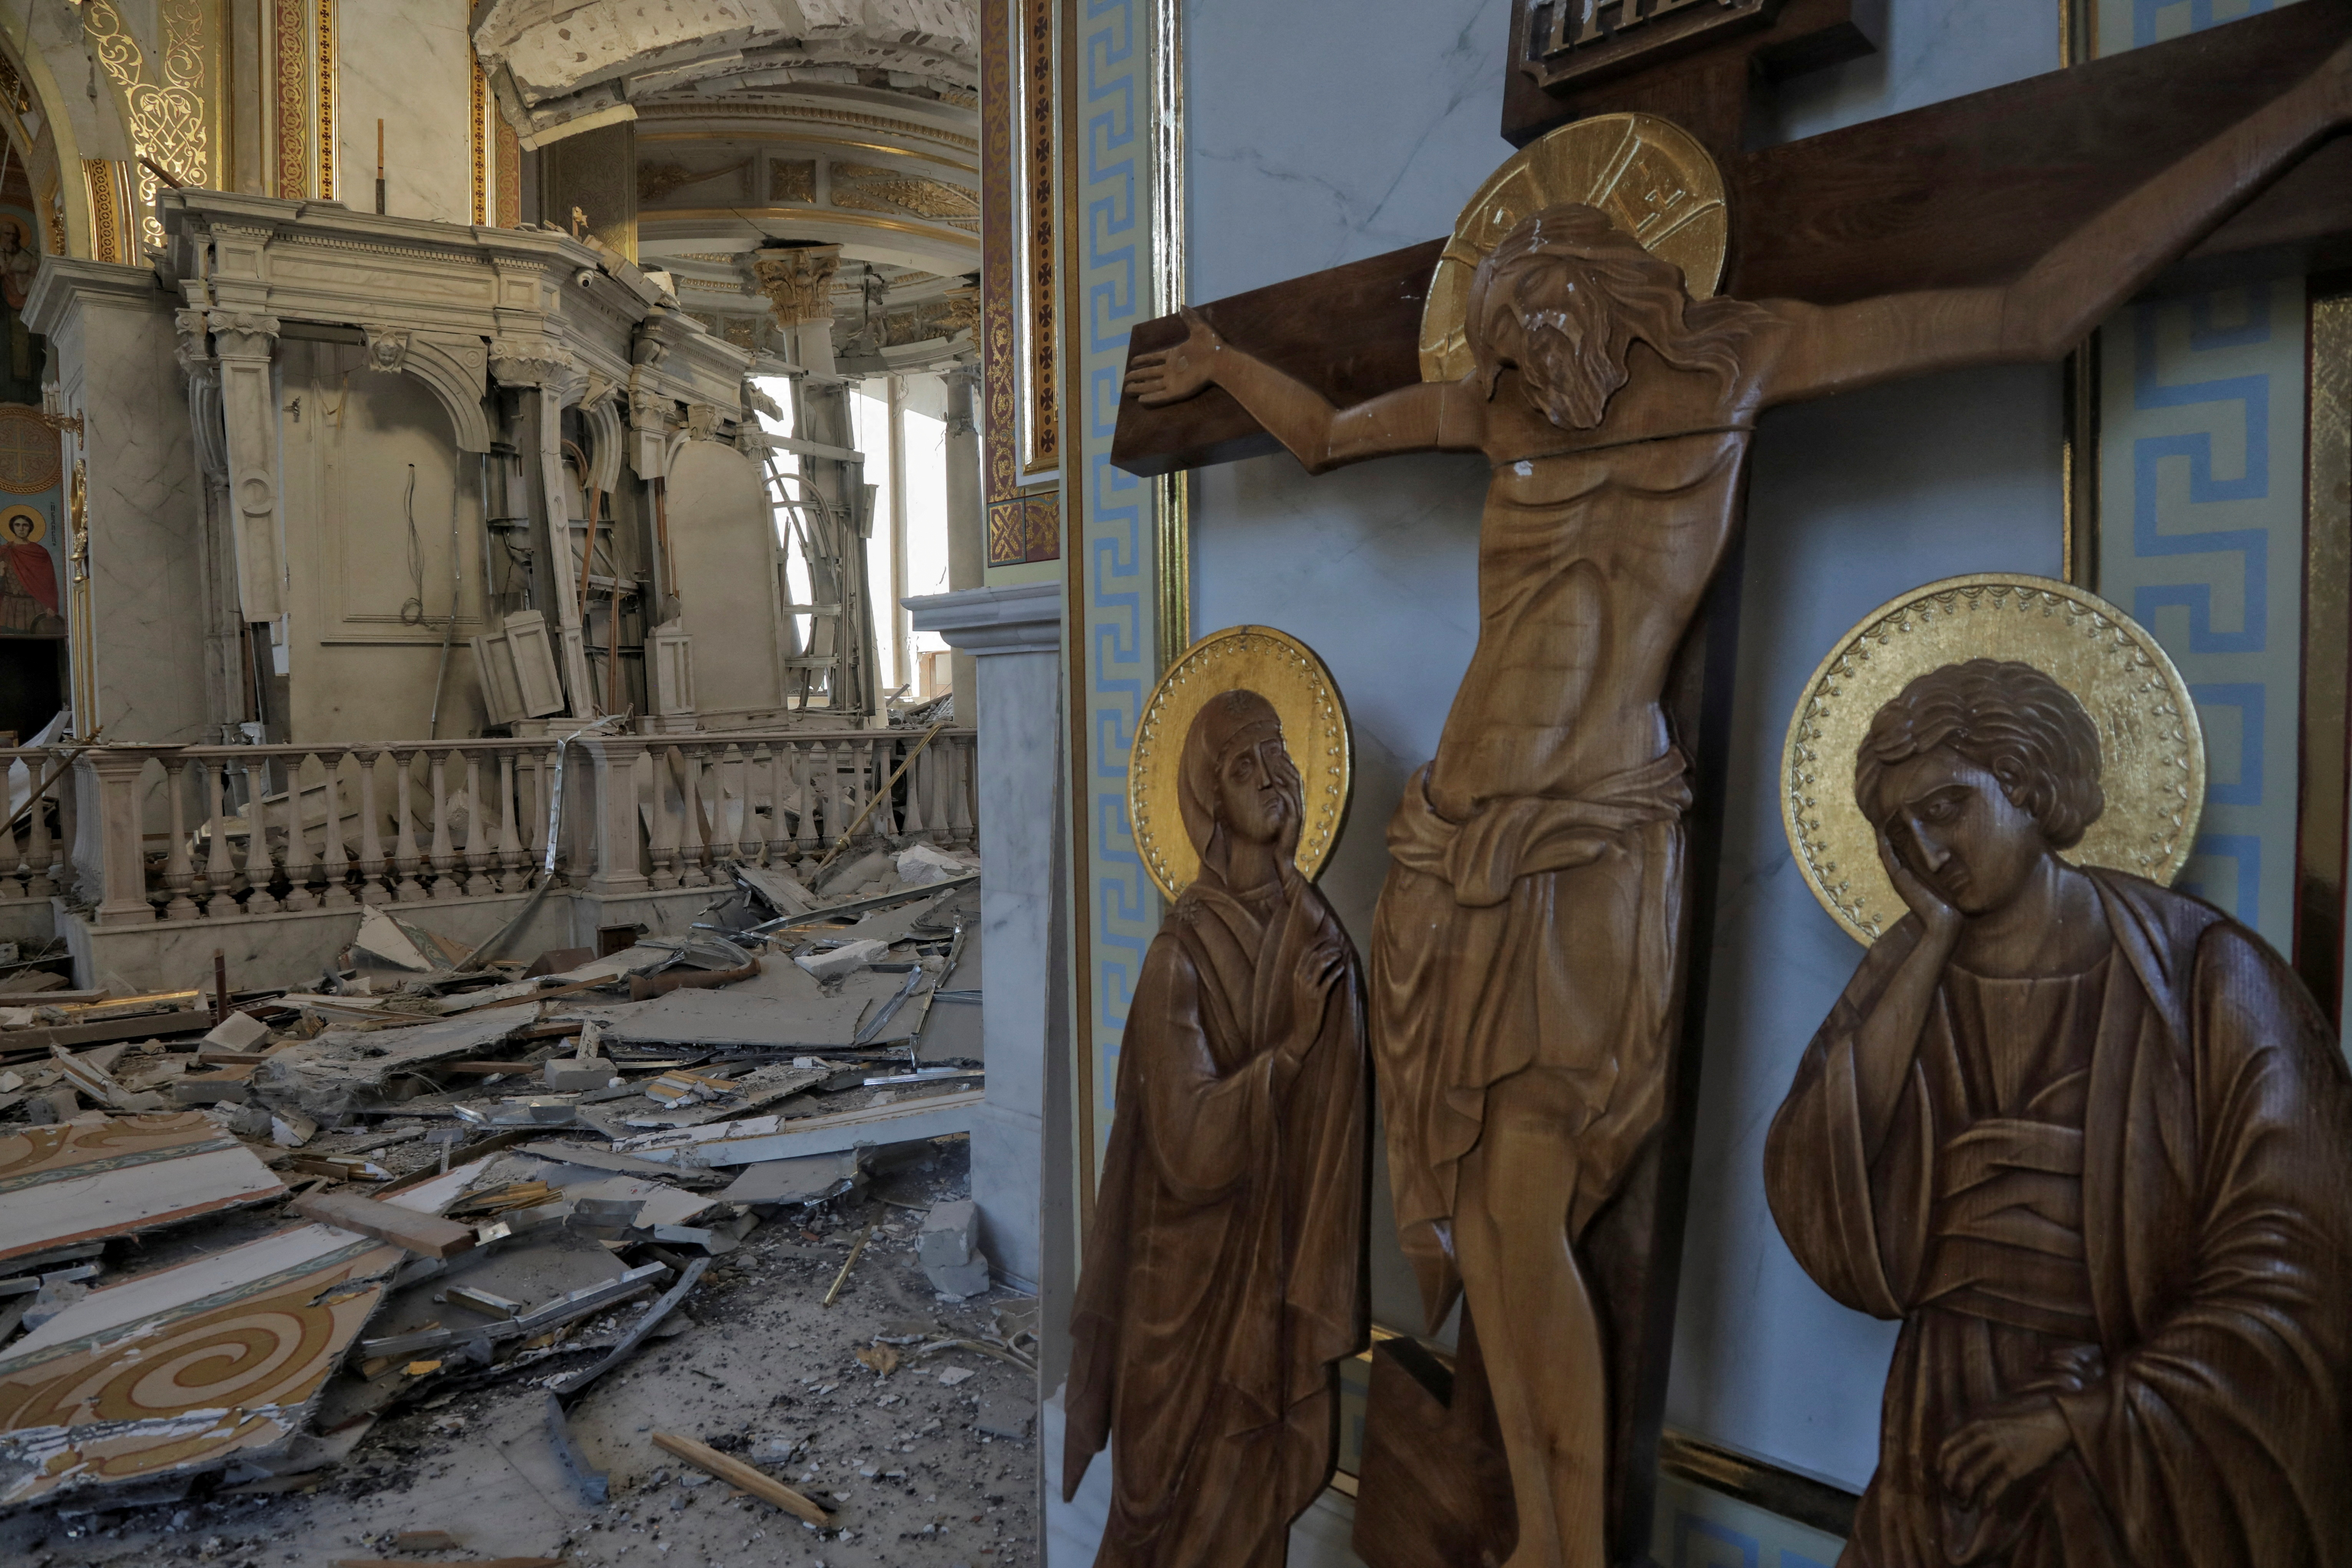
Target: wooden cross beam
x=1963, y=193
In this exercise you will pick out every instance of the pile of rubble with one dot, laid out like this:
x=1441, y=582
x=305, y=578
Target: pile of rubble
x=251, y=1244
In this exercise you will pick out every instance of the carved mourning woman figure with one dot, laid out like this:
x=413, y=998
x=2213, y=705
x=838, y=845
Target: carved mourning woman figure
x=1224, y=1266
x=2087, y=1138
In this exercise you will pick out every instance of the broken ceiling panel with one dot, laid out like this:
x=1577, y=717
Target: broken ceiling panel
x=110, y=1175
x=759, y=1138
x=344, y=1069
x=182, y=1369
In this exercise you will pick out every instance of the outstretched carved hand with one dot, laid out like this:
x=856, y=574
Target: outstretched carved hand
x=1171, y=375
x=1941, y=920
x=1987, y=1456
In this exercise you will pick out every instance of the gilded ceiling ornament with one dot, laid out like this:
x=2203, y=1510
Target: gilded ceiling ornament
x=2152, y=750
x=870, y=187
x=1286, y=673
x=1651, y=176
x=791, y=180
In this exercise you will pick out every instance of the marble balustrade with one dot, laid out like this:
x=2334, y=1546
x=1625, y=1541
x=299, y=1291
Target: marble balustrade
x=183, y=833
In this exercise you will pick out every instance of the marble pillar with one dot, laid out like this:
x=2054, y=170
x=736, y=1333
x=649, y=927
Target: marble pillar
x=1014, y=635
x=139, y=642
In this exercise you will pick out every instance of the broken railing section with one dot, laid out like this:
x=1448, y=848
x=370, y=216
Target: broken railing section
x=222, y=832
x=477, y=1172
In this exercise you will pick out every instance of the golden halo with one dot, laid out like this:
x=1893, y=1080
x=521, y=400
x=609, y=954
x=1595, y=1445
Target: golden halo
x=1650, y=175
x=1286, y=672
x=2151, y=747
x=8, y=525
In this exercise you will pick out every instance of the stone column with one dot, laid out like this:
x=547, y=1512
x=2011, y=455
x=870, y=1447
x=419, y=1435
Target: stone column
x=967, y=524
x=1015, y=635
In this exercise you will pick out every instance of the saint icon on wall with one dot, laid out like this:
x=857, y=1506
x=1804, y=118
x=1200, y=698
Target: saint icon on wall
x=20, y=262
x=2089, y=1138
x=1224, y=1264
x=29, y=604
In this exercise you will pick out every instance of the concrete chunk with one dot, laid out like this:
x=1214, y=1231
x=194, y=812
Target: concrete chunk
x=237, y=1032
x=950, y=1235
x=848, y=958
x=949, y=1250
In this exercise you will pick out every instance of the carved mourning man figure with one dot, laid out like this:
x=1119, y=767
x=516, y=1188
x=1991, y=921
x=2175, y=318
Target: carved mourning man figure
x=1525, y=955
x=1224, y=1266
x=2091, y=1141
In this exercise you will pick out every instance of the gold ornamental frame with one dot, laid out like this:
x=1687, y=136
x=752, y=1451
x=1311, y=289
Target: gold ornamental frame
x=1315, y=728
x=2151, y=746
x=1651, y=176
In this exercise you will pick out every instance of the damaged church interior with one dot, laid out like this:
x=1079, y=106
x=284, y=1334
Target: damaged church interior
x=1163, y=784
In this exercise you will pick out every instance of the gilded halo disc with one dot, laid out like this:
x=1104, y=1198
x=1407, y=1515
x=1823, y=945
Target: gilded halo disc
x=1286, y=672
x=2151, y=747
x=1650, y=175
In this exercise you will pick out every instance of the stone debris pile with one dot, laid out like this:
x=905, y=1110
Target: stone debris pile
x=422, y=1176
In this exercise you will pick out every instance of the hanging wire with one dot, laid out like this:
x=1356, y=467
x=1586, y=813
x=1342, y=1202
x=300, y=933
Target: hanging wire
x=411, y=610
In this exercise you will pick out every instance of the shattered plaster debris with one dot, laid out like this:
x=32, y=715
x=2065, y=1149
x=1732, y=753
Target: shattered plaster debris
x=502, y=1190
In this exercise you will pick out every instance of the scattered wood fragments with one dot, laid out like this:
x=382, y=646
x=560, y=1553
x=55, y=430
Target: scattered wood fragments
x=847, y=1264
x=742, y=1477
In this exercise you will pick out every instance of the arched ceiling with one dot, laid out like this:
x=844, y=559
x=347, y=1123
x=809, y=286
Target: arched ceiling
x=848, y=122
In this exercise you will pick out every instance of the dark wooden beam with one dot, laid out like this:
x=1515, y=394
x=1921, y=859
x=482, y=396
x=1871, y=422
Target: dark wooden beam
x=1964, y=193
x=1351, y=333
x=1973, y=191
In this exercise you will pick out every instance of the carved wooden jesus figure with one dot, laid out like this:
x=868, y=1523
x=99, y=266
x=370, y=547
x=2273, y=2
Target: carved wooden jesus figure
x=1526, y=954
x=2092, y=1142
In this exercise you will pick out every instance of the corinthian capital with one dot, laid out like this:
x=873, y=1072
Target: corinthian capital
x=798, y=281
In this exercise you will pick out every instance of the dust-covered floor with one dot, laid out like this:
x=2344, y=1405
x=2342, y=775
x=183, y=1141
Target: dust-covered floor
x=920, y=1464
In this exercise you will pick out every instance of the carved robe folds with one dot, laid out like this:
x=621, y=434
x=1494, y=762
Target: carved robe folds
x=2128, y=1190
x=1224, y=1266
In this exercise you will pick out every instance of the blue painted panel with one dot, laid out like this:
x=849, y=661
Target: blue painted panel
x=1119, y=512
x=2200, y=538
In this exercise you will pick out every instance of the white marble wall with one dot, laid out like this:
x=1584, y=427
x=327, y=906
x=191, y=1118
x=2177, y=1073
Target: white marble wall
x=410, y=63
x=1311, y=146
x=110, y=330
x=1015, y=634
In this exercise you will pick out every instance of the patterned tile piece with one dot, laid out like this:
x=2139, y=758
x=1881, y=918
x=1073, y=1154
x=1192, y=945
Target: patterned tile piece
x=110, y=1175
x=186, y=1368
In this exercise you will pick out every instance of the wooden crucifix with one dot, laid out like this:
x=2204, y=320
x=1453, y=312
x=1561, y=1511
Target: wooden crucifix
x=1537, y=971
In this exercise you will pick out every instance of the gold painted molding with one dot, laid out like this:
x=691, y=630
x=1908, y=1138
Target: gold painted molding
x=1172, y=558
x=477, y=99
x=327, y=99
x=796, y=111
x=806, y=215
x=794, y=140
